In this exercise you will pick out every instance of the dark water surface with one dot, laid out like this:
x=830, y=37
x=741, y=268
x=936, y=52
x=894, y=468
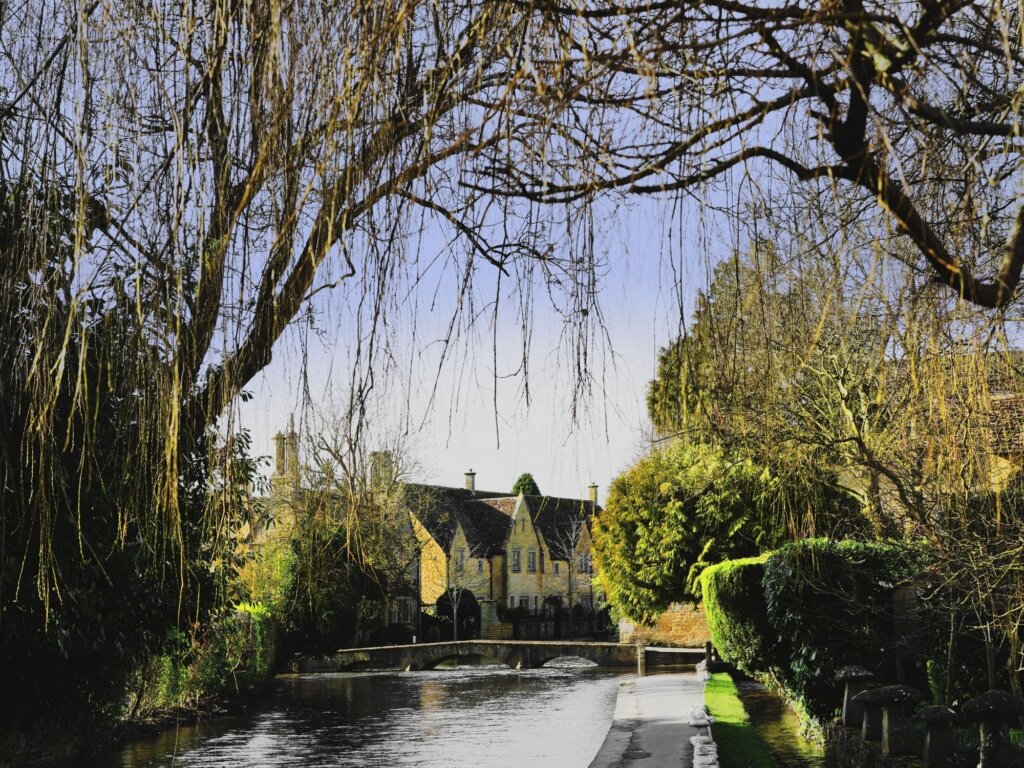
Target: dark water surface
x=779, y=728
x=466, y=716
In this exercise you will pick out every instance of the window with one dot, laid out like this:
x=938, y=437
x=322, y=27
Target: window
x=511, y=601
x=542, y=561
x=531, y=561
x=536, y=604
x=480, y=565
x=517, y=561
x=557, y=568
x=460, y=559
x=524, y=602
x=406, y=611
x=402, y=611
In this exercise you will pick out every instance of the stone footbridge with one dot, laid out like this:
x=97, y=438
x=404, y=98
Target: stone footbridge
x=518, y=654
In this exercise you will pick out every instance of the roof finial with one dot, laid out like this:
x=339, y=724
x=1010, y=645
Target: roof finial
x=291, y=423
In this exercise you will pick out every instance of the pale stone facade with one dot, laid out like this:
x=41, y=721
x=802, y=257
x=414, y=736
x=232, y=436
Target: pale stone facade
x=531, y=553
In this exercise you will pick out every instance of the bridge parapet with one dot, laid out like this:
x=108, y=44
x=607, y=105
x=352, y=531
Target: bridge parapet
x=513, y=653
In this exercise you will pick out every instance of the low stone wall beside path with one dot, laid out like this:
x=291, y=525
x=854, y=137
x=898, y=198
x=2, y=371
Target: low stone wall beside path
x=682, y=625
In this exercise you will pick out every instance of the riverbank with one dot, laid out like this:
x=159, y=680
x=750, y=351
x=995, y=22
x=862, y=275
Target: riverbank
x=650, y=728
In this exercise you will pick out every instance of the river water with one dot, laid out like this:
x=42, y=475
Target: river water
x=465, y=716
x=779, y=728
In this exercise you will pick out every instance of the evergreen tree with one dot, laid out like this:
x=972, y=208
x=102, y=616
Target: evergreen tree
x=526, y=485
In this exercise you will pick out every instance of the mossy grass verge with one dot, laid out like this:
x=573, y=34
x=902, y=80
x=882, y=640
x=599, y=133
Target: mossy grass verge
x=738, y=742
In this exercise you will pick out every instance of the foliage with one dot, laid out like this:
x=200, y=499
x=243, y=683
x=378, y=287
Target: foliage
x=685, y=507
x=88, y=588
x=829, y=602
x=526, y=485
x=734, y=734
x=823, y=605
x=783, y=363
x=737, y=618
x=351, y=553
x=235, y=653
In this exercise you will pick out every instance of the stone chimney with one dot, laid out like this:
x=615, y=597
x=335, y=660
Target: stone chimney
x=593, y=493
x=285, y=479
x=382, y=469
x=471, y=480
x=286, y=460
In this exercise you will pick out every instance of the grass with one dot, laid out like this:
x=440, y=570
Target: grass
x=739, y=746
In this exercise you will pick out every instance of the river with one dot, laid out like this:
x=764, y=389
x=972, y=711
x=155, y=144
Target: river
x=465, y=716
x=779, y=728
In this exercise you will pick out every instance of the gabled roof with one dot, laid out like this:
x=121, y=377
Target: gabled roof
x=487, y=524
x=441, y=508
x=487, y=517
x=1007, y=424
x=560, y=521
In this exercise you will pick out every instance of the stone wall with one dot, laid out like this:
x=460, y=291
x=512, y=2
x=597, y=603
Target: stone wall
x=681, y=625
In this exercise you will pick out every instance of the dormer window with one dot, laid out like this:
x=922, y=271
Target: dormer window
x=517, y=560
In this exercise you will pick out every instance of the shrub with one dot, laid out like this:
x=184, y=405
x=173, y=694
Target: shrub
x=736, y=615
x=235, y=655
x=795, y=616
x=829, y=603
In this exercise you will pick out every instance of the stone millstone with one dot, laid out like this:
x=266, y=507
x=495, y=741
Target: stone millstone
x=853, y=673
x=991, y=705
x=890, y=694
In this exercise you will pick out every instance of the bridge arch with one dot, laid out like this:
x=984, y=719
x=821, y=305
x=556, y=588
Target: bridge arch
x=512, y=653
x=456, y=656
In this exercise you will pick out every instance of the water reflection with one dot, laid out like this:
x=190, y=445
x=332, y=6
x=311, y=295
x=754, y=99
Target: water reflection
x=486, y=715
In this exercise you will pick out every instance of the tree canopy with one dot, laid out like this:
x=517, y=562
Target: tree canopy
x=525, y=484
x=907, y=109
x=688, y=506
x=179, y=183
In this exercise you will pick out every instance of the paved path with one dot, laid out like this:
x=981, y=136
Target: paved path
x=650, y=728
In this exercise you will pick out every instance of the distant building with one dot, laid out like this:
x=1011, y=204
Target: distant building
x=531, y=553
x=528, y=554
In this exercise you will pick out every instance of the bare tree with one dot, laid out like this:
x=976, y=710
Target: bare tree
x=912, y=108
x=194, y=177
x=567, y=538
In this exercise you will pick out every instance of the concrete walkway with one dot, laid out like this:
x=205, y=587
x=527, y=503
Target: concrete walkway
x=650, y=728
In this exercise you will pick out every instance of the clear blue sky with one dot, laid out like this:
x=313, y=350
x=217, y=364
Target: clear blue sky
x=655, y=263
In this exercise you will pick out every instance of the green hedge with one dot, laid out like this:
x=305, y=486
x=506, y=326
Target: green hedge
x=819, y=605
x=735, y=609
x=831, y=603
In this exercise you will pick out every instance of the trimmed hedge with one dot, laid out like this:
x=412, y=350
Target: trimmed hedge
x=736, y=612
x=819, y=605
x=831, y=604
